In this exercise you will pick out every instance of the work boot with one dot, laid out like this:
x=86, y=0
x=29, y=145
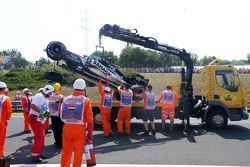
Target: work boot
x=153, y=132
x=58, y=146
x=105, y=136
x=43, y=157
x=119, y=134
x=127, y=134
x=27, y=131
x=145, y=133
x=47, y=131
x=37, y=160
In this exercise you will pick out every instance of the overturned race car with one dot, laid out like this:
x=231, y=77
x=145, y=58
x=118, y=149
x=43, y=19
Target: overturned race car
x=92, y=68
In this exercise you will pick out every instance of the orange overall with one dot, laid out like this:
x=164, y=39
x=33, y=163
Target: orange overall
x=26, y=102
x=124, y=114
x=46, y=124
x=74, y=134
x=168, y=104
x=5, y=114
x=105, y=110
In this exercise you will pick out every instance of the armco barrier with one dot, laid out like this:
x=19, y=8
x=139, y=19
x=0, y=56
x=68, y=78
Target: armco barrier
x=17, y=106
x=248, y=106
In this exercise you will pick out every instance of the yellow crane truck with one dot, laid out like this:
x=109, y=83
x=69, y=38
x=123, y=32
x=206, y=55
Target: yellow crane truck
x=222, y=94
x=222, y=98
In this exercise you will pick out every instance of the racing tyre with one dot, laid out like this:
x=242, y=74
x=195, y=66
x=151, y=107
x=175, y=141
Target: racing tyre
x=55, y=50
x=137, y=90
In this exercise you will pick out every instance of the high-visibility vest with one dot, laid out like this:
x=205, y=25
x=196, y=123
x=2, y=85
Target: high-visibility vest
x=168, y=97
x=150, y=100
x=107, y=101
x=18, y=98
x=54, y=104
x=126, y=99
x=72, y=110
x=28, y=101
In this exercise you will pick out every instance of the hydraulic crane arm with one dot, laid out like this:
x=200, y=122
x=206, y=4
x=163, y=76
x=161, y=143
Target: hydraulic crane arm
x=131, y=36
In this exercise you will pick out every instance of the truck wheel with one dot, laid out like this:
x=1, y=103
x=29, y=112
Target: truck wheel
x=97, y=118
x=217, y=119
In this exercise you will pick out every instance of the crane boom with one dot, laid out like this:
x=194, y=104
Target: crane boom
x=131, y=36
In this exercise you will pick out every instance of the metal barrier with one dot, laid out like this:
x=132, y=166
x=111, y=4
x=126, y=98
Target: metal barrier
x=248, y=106
x=17, y=106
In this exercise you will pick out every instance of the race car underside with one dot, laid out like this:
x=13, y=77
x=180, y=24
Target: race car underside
x=92, y=68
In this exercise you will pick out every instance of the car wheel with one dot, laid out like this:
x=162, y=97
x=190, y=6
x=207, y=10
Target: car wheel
x=55, y=50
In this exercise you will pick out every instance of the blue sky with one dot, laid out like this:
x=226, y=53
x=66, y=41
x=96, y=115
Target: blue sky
x=218, y=28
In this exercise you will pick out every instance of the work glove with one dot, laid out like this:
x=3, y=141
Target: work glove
x=107, y=83
x=59, y=101
x=44, y=113
x=90, y=127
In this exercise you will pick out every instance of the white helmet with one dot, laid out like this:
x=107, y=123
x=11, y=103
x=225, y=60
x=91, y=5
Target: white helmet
x=3, y=85
x=25, y=90
x=107, y=89
x=40, y=90
x=48, y=89
x=79, y=84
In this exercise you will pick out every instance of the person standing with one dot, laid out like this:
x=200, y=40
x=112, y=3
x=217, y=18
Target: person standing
x=31, y=95
x=124, y=113
x=149, y=107
x=105, y=108
x=18, y=97
x=55, y=101
x=38, y=115
x=26, y=102
x=5, y=115
x=46, y=124
x=76, y=113
x=168, y=98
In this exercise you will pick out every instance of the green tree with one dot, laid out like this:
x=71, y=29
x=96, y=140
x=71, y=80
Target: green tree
x=206, y=60
x=151, y=59
x=43, y=61
x=163, y=60
x=136, y=57
x=21, y=62
x=107, y=55
x=248, y=58
x=225, y=62
x=15, y=59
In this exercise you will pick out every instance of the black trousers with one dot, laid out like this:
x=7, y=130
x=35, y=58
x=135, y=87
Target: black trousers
x=57, y=128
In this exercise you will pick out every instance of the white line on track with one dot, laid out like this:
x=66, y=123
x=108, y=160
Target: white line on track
x=117, y=165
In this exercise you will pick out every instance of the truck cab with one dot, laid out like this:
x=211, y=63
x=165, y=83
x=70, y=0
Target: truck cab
x=223, y=95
